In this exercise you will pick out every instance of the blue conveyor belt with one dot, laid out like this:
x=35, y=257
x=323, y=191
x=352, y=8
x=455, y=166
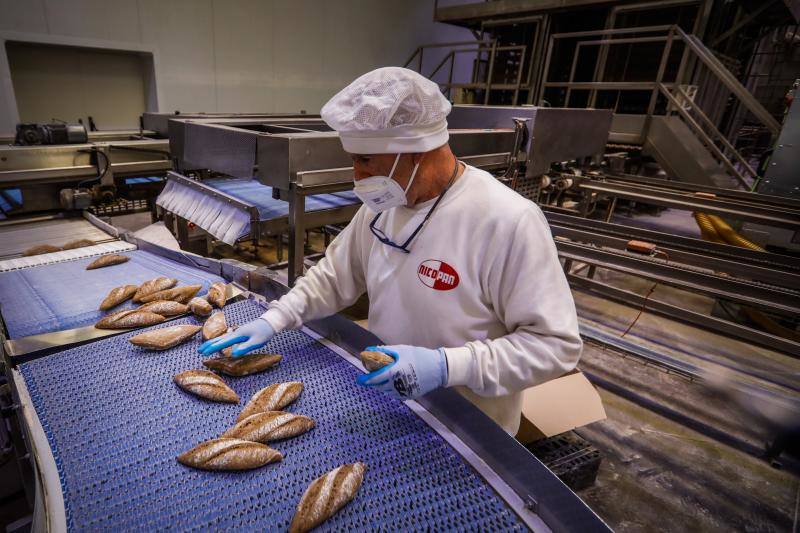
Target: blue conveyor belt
x=65, y=295
x=143, y=179
x=115, y=423
x=260, y=195
x=10, y=199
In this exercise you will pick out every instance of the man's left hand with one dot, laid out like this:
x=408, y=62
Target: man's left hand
x=416, y=371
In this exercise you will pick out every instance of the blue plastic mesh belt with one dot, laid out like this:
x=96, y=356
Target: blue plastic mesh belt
x=260, y=195
x=65, y=295
x=115, y=422
x=143, y=179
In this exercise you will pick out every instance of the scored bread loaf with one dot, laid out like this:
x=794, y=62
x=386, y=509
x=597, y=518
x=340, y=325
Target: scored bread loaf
x=243, y=365
x=270, y=425
x=326, y=495
x=107, y=260
x=272, y=398
x=206, y=385
x=200, y=307
x=165, y=308
x=116, y=296
x=152, y=286
x=179, y=294
x=229, y=454
x=129, y=318
x=217, y=293
x=373, y=361
x=164, y=338
x=214, y=326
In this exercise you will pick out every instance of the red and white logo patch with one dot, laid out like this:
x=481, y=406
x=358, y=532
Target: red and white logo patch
x=438, y=275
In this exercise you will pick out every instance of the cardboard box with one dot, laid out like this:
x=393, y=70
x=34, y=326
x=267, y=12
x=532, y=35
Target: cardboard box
x=557, y=406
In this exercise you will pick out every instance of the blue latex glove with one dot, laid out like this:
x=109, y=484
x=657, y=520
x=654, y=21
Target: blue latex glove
x=252, y=336
x=415, y=372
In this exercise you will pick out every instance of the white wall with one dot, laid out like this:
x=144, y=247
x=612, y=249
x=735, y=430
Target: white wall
x=241, y=55
x=66, y=83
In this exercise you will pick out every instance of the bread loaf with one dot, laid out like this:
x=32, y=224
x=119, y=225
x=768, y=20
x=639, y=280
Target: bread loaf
x=326, y=495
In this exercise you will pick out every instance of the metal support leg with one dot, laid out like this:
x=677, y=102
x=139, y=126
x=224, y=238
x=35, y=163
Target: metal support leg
x=182, y=232
x=297, y=207
x=169, y=222
x=610, y=210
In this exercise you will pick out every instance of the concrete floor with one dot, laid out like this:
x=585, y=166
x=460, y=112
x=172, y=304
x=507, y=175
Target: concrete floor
x=658, y=474
x=678, y=455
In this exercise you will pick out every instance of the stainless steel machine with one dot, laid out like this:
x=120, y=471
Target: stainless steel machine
x=516, y=143
x=32, y=178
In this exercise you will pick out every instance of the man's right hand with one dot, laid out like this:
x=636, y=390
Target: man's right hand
x=249, y=337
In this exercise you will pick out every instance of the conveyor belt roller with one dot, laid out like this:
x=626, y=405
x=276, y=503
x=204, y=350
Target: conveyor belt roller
x=228, y=222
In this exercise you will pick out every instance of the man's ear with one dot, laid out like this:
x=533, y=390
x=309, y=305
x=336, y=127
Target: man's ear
x=416, y=158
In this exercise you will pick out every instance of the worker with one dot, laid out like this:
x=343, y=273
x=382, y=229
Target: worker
x=463, y=279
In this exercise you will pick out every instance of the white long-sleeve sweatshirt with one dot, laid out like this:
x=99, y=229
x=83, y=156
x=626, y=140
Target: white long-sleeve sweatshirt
x=483, y=281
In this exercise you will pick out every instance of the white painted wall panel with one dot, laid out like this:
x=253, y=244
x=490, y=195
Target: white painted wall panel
x=241, y=55
x=22, y=16
x=183, y=32
x=113, y=20
x=69, y=83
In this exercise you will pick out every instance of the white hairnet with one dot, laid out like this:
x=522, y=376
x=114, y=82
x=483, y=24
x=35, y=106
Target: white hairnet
x=389, y=110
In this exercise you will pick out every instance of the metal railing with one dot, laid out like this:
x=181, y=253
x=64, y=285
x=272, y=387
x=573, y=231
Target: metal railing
x=694, y=57
x=744, y=170
x=491, y=48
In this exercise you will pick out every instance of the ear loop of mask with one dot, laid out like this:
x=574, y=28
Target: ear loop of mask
x=394, y=166
x=413, y=175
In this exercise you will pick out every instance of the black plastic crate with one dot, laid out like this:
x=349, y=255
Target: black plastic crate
x=573, y=459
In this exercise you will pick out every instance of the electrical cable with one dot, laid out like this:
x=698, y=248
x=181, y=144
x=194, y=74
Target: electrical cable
x=105, y=168
x=647, y=297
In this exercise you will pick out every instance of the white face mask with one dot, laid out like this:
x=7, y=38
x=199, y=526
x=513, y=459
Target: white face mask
x=381, y=193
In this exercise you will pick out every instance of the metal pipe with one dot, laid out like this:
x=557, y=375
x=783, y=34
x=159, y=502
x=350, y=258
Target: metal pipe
x=659, y=77
x=490, y=72
x=546, y=69
x=618, y=31
x=519, y=74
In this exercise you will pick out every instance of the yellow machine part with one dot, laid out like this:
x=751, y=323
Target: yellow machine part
x=714, y=229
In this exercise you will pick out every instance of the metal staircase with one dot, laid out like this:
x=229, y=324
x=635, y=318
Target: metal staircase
x=495, y=69
x=498, y=68
x=681, y=112
x=690, y=97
